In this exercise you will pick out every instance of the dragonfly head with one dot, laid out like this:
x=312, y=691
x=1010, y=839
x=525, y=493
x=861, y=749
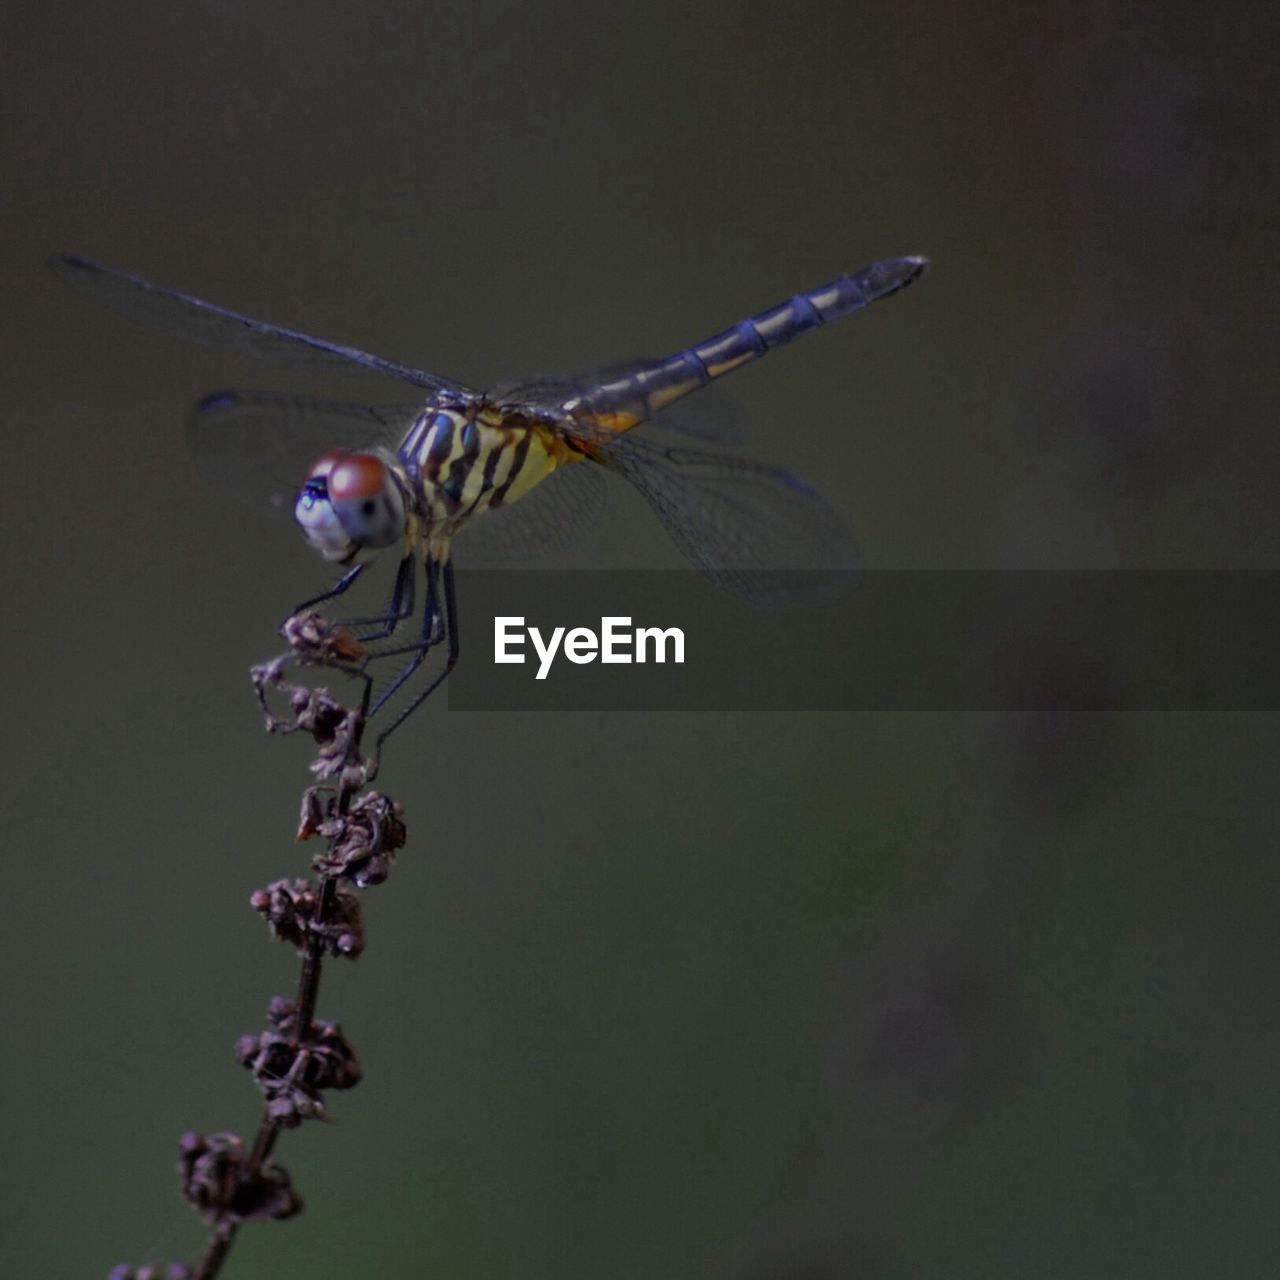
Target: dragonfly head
x=349, y=503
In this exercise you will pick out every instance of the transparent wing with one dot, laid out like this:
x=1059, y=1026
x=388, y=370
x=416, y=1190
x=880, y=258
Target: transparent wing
x=760, y=532
x=257, y=445
x=555, y=515
x=199, y=321
x=712, y=416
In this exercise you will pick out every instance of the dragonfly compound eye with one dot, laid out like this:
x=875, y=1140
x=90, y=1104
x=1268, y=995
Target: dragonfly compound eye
x=325, y=463
x=366, y=499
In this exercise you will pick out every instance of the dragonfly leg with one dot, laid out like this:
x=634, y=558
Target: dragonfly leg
x=399, y=607
x=336, y=590
x=449, y=620
x=431, y=633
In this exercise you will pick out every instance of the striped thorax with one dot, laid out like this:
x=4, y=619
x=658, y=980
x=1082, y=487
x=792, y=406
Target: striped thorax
x=462, y=460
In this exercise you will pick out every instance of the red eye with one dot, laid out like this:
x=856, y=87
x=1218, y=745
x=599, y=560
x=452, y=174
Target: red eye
x=325, y=463
x=356, y=475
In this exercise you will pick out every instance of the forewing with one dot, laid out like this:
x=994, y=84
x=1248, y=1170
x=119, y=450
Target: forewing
x=760, y=532
x=199, y=321
x=258, y=446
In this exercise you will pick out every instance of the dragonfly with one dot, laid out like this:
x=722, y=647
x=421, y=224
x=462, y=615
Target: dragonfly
x=518, y=466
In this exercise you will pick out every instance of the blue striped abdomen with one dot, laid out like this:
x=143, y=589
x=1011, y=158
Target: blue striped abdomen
x=639, y=393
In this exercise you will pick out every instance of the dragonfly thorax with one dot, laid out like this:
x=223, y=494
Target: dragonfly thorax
x=349, y=503
x=472, y=458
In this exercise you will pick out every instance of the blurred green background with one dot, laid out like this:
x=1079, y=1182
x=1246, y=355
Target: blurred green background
x=756, y=996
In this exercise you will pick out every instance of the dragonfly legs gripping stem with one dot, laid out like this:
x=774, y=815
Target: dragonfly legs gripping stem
x=438, y=624
x=385, y=623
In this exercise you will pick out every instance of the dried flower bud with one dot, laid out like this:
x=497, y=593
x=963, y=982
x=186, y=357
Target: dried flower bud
x=291, y=906
x=334, y=727
x=319, y=714
x=214, y=1182
x=364, y=842
x=316, y=802
x=293, y=1071
x=313, y=638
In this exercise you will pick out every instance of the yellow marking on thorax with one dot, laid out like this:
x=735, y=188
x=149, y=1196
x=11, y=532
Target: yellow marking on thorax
x=508, y=456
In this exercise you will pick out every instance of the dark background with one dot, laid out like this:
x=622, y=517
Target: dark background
x=753, y=995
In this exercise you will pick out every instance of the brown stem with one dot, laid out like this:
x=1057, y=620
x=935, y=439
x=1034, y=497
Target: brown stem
x=224, y=1229
x=268, y=1132
x=216, y=1250
x=309, y=977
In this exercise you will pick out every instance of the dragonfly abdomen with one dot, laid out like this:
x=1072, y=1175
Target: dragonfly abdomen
x=646, y=391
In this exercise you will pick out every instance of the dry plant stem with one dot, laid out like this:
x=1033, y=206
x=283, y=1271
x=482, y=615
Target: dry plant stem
x=309, y=978
x=296, y=1059
x=349, y=780
x=308, y=992
x=224, y=1232
x=216, y=1250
